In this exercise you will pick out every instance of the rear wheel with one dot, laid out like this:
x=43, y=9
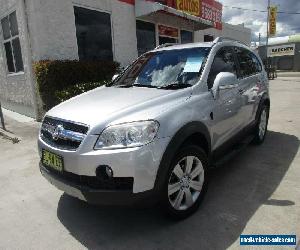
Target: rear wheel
x=186, y=182
x=262, y=125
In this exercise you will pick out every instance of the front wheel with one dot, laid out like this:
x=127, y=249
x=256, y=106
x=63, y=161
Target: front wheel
x=186, y=182
x=262, y=125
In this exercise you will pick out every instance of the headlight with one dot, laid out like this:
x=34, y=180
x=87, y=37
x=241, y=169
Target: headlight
x=134, y=134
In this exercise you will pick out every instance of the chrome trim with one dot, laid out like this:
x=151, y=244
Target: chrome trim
x=59, y=132
x=229, y=86
x=65, y=120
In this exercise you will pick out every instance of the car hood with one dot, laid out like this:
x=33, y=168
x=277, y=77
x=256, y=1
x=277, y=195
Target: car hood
x=108, y=104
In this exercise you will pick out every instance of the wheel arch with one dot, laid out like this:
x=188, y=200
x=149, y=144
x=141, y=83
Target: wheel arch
x=265, y=100
x=195, y=133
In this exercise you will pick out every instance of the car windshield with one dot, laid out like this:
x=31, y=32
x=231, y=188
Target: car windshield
x=165, y=69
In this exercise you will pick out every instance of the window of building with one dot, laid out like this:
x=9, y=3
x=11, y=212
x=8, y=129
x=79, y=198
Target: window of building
x=167, y=34
x=186, y=36
x=223, y=62
x=145, y=34
x=11, y=43
x=93, y=31
x=208, y=38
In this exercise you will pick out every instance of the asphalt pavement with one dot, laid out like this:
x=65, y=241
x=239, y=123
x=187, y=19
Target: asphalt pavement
x=258, y=192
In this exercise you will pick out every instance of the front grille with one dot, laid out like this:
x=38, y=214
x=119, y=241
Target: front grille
x=83, y=129
x=92, y=182
x=65, y=143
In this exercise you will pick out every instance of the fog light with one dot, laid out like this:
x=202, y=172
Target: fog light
x=109, y=172
x=104, y=172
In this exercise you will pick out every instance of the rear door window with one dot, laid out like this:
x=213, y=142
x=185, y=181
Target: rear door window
x=256, y=62
x=248, y=62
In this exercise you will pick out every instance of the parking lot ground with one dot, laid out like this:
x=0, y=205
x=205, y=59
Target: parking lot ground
x=258, y=192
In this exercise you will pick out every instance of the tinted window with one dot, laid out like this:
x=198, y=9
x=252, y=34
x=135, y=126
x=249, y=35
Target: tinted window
x=9, y=57
x=93, y=31
x=162, y=68
x=145, y=34
x=208, y=38
x=5, y=28
x=13, y=24
x=223, y=62
x=256, y=62
x=249, y=64
x=17, y=54
x=186, y=36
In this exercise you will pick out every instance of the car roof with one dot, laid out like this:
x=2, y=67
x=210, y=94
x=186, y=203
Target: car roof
x=200, y=45
x=185, y=46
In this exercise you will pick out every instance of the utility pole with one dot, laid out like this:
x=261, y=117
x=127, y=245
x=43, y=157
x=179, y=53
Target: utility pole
x=2, y=118
x=267, y=42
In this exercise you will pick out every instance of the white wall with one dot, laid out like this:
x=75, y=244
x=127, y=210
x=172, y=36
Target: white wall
x=16, y=89
x=54, y=31
x=51, y=35
x=238, y=32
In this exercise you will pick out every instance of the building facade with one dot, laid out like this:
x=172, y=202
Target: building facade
x=283, y=52
x=119, y=30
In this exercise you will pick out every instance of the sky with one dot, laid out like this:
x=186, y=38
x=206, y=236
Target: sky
x=257, y=22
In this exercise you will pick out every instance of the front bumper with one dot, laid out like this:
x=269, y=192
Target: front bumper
x=141, y=163
x=98, y=196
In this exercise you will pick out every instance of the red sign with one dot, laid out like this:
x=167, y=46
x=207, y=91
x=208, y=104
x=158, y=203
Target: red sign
x=209, y=9
x=212, y=11
x=168, y=31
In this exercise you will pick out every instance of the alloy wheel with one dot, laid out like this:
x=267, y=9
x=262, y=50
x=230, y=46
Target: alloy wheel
x=185, y=183
x=262, y=124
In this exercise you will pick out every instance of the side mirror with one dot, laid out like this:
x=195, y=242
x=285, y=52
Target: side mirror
x=224, y=80
x=114, y=77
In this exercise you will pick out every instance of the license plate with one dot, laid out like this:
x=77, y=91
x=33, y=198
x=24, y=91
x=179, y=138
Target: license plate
x=53, y=161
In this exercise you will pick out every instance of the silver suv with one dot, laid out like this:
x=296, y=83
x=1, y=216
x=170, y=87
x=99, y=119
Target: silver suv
x=153, y=133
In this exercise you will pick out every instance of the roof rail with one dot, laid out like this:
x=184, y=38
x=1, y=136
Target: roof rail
x=165, y=45
x=224, y=39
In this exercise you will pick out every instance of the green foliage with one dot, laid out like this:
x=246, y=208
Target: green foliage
x=60, y=80
x=77, y=89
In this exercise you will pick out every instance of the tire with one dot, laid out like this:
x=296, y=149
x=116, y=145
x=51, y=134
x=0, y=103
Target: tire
x=262, y=125
x=184, y=188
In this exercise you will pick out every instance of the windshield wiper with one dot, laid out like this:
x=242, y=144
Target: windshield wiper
x=135, y=85
x=123, y=86
x=144, y=86
x=176, y=86
x=170, y=86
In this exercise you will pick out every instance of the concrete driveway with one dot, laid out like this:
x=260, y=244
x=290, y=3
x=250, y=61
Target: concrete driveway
x=258, y=192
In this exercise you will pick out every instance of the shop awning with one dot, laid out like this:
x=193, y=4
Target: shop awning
x=147, y=9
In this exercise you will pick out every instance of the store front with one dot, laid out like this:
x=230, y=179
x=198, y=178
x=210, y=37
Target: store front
x=165, y=21
x=118, y=30
x=283, y=53
x=150, y=35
